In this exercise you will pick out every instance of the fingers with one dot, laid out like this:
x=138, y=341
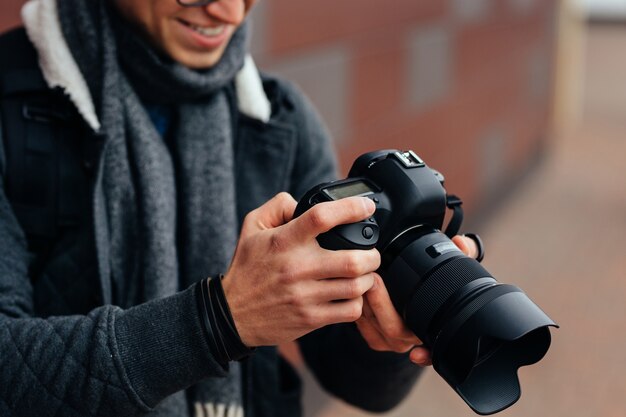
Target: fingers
x=276, y=212
x=381, y=326
x=466, y=245
x=312, y=263
x=342, y=288
x=369, y=329
x=346, y=263
x=372, y=335
x=420, y=356
x=345, y=311
x=387, y=317
x=324, y=216
x=371, y=332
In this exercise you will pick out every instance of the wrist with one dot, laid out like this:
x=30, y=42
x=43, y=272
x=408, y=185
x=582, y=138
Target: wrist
x=222, y=335
x=234, y=307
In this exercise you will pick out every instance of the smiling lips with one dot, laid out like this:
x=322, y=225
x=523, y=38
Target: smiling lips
x=207, y=31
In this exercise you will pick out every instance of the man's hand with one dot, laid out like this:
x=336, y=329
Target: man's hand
x=381, y=325
x=282, y=285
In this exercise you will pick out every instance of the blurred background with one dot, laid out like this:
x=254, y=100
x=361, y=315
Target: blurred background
x=522, y=105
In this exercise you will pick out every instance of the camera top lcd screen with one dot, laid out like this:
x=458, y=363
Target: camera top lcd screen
x=351, y=189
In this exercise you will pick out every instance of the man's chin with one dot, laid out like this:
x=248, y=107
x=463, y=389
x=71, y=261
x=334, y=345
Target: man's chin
x=196, y=59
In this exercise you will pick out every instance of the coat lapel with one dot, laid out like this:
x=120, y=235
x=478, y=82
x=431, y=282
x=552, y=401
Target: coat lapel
x=265, y=154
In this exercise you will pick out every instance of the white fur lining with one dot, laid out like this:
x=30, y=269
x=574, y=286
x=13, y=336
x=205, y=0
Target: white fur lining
x=251, y=97
x=59, y=68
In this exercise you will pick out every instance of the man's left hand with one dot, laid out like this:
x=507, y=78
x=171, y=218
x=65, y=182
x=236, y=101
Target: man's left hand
x=382, y=327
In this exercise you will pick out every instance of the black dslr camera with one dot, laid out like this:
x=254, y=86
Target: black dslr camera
x=479, y=331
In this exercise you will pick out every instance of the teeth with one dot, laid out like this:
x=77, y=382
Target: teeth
x=208, y=31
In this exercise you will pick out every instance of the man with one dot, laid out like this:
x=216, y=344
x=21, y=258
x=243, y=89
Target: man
x=113, y=314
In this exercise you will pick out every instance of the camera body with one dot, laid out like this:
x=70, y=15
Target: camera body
x=388, y=175
x=479, y=331
x=408, y=196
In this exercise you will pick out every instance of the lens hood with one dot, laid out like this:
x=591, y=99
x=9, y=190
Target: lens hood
x=480, y=349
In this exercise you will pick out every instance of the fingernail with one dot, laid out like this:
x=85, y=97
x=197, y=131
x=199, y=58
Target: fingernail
x=375, y=284
x=419, y=363
x=369, y=204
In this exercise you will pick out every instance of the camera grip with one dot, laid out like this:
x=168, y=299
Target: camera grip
x=360, y=235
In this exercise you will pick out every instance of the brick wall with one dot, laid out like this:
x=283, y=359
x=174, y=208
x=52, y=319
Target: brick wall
x=10, y=13
x=465, y=83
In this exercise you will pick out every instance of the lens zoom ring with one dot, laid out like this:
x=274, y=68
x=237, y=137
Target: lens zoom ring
x=437, y=288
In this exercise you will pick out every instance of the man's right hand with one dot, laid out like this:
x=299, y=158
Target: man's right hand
x=282, y=285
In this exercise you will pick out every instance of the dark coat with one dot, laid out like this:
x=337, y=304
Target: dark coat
x=65, y=350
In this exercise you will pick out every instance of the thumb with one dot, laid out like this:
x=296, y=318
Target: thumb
x=276, y=212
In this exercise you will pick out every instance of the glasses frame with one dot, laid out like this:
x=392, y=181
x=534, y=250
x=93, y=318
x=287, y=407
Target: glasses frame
x=194, y=3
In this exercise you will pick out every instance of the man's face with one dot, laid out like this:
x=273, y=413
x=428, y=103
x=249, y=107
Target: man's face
x=193, y=36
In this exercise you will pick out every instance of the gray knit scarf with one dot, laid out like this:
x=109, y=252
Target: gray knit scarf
x=165, y=215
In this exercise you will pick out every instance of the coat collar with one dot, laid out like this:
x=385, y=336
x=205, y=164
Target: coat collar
x=59, y=68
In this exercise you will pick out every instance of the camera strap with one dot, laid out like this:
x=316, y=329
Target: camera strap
x=454, y=203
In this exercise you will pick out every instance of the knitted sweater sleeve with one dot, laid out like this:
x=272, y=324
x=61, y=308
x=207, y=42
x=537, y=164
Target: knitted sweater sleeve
x=110, y=362
x=338, y=356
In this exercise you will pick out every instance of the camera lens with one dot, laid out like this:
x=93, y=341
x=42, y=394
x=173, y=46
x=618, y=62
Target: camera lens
x=479, y=331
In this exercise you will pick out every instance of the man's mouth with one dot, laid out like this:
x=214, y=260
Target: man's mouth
x=208, y=31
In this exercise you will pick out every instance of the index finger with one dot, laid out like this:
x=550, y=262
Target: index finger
x=324, y=216
x=387, y=317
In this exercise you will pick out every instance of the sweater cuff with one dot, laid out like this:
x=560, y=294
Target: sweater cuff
x=161, y=347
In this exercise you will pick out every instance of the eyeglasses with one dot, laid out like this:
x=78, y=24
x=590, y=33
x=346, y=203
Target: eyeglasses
x=194, y=3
